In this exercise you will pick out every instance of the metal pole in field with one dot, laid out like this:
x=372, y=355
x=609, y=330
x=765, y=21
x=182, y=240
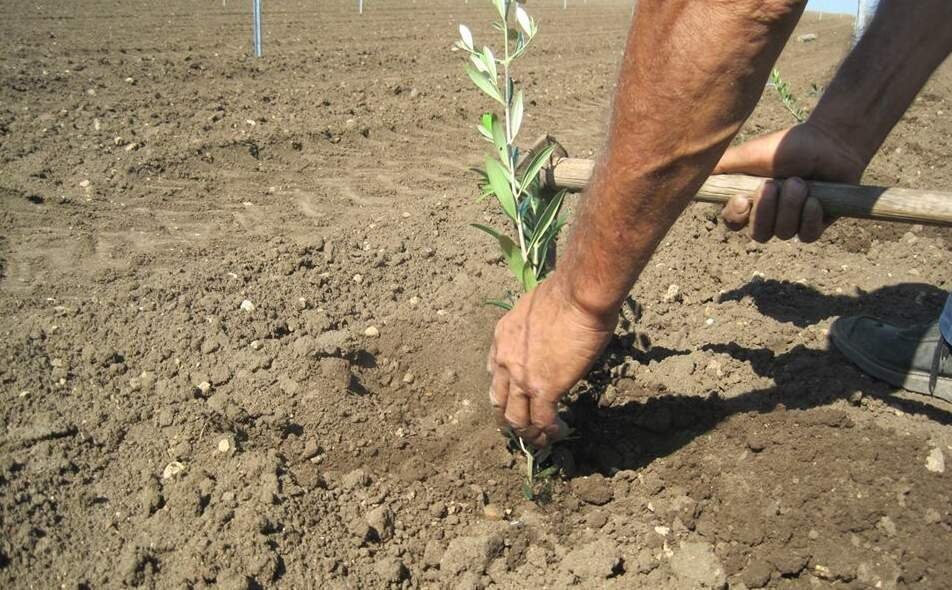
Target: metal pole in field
x=360, y=6
x=865, y=12
x=256, y=26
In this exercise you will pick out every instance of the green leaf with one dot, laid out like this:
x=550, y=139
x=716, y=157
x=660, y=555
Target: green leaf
x=478, y=63
x=486, y=125
x=499, y=181
x=522, y=17
x=490, y=61
x=527, y=491
x=529, y=279
x=499, y=139
x=466, y=36
x=500, y=8
x=501, y=303
x=484, y=83
x=515, y=114
x=532, y=170
x=548, y=216
x=547, y=472
x=510, y=250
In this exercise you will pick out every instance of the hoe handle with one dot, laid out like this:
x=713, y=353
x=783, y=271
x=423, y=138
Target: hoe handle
x=838, y=200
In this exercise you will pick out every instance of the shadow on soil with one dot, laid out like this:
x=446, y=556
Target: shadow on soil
x=634, y=434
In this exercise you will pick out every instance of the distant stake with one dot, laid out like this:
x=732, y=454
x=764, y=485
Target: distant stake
x=256, y=26
x=360, y=6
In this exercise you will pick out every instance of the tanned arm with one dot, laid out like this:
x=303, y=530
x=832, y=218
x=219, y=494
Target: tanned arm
x=692, y=73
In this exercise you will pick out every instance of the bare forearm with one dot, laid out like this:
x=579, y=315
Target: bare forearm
x=692, y=73
x=903, y=46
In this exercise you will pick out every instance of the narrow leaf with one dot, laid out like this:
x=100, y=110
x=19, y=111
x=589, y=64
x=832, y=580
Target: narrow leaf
x=549, y=214
x=515, y=114
x=529, y=280
x=482, y=81
x=510, y=250
x=535, y=165
x=522, y=17
x=477, y=59
x=490, y=60
x=498, y=180
x=467, y=36
x=500, y=8
x=501, y=303
x=501, y=141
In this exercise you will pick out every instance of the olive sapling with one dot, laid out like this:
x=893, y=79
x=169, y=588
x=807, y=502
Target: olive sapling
x=534, y=216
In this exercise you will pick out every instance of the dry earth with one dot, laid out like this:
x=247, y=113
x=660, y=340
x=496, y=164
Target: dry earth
x=153, y=178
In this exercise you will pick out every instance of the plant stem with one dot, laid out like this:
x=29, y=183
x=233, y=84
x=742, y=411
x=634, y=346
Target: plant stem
x=510, y=165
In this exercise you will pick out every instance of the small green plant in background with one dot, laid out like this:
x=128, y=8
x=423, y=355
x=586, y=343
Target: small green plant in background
x=787, y=97
x=515, y=185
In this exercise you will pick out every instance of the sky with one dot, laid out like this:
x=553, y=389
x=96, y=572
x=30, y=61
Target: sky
x=844, y=6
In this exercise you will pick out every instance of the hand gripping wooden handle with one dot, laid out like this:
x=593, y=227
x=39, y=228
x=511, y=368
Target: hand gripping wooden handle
x=838, y=200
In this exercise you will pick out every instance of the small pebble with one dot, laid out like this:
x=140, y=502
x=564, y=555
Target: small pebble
x=172, y=469
x=247, y=305
x=372, y=332
x=935, y=462
x=408, y=378
x=358, y=279
x=224, y=445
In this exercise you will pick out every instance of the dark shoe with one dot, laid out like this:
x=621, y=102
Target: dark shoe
x=917, y=359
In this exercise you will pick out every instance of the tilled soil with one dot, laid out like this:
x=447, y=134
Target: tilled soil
x=244, y=333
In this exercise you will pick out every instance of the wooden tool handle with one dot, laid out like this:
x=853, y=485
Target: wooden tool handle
x=838, y=200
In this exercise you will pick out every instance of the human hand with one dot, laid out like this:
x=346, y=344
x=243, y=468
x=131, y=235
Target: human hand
x=785, y=209
x=540, y=350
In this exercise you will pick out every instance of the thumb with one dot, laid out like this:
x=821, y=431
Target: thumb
x=756, y=157
x=736, y=212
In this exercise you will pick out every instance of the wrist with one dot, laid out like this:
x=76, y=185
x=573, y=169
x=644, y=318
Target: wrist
x=593, y=306
x=851, y=157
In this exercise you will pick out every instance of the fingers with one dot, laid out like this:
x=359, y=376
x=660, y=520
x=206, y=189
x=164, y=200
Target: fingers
x=534, y=418
x=782, y=209
x=793, y=195
x=812, y=222
x=499, y=395
x=764, y=213
x=517, y=413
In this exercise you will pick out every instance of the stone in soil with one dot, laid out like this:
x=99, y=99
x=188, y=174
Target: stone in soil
x=594, y=561
x=470, y=554
x=391, y=570
x=697, y=567
x=381, y=521
x=593, y=489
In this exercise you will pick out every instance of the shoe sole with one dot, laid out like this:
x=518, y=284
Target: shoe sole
x=914, y=381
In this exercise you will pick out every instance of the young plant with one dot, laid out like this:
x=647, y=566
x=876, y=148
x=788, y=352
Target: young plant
x=514, y=184
x=537, y=482
x=787, y=97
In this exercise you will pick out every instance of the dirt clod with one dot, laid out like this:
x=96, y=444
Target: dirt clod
x=593, y=489
x=695, y=565
x=597, y=560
